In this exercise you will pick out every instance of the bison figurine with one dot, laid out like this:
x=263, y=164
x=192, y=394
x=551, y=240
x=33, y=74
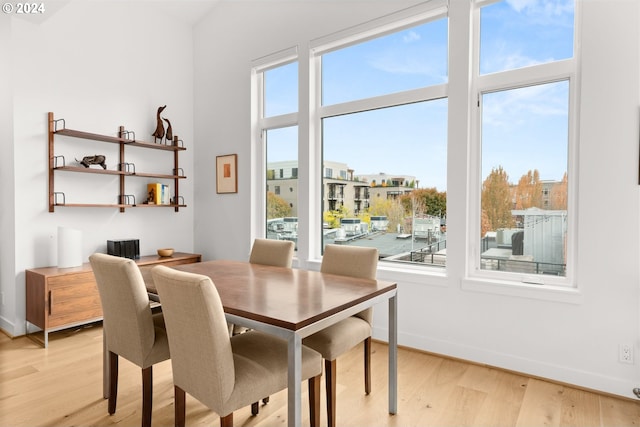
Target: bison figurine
x=98, y=159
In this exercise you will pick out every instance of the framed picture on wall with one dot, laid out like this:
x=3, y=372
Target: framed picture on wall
x=227, y=174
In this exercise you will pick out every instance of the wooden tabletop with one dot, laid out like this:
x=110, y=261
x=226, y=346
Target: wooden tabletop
x=284, y=297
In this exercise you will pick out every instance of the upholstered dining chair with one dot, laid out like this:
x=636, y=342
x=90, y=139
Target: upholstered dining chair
x=222, y=372
x=278, y=253
x=272, y=252
x=337, y=339
x=130, y=328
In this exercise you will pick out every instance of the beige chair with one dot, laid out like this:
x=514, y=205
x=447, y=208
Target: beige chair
x=224, y=373
x=337, y=339
x=130, y=329
x=272, y=252
x=278, y=253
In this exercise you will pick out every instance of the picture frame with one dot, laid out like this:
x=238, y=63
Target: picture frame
x=227, y=174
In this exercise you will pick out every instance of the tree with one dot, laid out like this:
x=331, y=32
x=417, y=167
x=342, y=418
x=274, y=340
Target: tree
x=484, y=224
x=496, y=200
x=558, y=196
x=391, y=208
x=425, y=201
x=277, y=207
x=528, y=192
x=333, y=217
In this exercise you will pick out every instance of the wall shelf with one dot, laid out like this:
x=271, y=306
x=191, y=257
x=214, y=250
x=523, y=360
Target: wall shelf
x=124, y=139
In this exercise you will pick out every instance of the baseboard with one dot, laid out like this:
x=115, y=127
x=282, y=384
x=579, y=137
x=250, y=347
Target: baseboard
x=562, y=375
x=8, y=328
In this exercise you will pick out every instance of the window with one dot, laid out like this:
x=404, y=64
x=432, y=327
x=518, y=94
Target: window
x=404, y=60
x=524, y=145
x=282, y=155
x=281, y=90
x=396, y=108
x=274, y=117
x=516, y=34
x=328, y=173
x=526, y=84
x=384, y=127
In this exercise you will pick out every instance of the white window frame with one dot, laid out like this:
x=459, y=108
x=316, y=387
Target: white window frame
x=511, y=283
x=464, y=179
x=259, y=126
x=420, y=14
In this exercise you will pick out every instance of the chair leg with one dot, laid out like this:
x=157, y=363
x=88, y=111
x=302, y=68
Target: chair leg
x=113, y=382
x=367, y=365
x=227, y=421
x=255, y=406
x=180, y=406
x=147, y=395
x=314, y=401
x=330, y=374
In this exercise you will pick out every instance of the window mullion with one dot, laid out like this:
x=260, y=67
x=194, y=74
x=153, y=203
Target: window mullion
x=384, y=101
x=543, y=73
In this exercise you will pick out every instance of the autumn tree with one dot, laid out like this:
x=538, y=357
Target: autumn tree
x=391, y=208
x=425, y=201
x=558, y=195
x=528, y=192
x=277, y=207
x=496, y=200
x=484, y=224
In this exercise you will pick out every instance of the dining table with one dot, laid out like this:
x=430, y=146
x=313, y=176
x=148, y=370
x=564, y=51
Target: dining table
x=294, y=303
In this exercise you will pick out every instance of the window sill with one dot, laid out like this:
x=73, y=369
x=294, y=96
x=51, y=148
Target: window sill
x=413, y=274
x=400, y=273
x=564, y=294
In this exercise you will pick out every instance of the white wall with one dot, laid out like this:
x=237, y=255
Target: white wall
x=574, y=341
x=7, y=215
x=98, y=65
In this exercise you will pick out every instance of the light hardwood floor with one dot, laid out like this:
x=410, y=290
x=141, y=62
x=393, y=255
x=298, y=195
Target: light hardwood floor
x=62, y=386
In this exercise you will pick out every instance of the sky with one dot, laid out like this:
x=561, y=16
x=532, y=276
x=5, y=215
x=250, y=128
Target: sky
x=522, y=129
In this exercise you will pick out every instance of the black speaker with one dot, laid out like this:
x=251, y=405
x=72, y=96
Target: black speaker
x=124, y=248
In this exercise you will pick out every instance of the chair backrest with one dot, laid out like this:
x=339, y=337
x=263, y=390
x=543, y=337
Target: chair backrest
x=201, y=354
x=272, y=252
x=128, y=320
x=353, y=261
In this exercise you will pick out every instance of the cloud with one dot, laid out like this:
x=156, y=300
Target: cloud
x=535, y=103
x=411, y=36
x=542, y=8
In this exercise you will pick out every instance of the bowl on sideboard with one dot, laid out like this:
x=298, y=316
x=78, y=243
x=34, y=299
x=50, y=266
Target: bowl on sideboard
x=165, y=252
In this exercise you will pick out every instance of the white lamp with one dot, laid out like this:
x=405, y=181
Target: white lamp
x=69, y=247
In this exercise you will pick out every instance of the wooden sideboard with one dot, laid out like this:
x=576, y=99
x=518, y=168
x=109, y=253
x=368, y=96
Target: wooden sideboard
x=61, y=298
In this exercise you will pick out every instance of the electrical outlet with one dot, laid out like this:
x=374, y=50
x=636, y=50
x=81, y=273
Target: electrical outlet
x=626, y=353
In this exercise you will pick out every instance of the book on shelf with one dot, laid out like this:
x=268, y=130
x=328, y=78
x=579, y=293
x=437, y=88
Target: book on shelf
x=158, y=194
x=166, y=198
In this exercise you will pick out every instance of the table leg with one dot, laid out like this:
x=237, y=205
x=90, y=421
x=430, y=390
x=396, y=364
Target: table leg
x=294, y=379
x=393, y=355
